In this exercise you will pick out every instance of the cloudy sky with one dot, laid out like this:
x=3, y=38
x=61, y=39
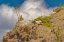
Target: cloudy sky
x=30, y=9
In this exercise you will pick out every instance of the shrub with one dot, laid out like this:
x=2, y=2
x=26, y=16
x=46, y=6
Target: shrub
x=47, y=24
x=39, y=18
x=45, y=20
x=59, y=9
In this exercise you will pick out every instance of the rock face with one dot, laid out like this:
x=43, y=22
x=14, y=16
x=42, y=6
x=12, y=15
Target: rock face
x=58, y=20
x=27, y=31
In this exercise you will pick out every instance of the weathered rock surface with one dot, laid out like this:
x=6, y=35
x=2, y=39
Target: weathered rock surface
x=27, y=31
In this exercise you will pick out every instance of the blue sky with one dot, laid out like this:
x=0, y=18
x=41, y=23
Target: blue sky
x=51, y=3
x=12, y=2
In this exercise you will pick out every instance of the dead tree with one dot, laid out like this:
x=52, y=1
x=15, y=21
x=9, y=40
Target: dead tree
x=17, y=9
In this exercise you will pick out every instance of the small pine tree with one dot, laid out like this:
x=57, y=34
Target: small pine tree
x=21, y=18
x=61, y=5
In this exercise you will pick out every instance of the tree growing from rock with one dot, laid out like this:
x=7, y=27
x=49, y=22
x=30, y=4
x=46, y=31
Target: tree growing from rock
x=17, y=9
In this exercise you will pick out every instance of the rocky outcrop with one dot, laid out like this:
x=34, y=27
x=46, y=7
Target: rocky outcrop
x=27, y=31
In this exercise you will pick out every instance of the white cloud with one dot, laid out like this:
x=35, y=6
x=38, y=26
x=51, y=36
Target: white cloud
x=30, y=9
x=7, y=19
x=35, y=8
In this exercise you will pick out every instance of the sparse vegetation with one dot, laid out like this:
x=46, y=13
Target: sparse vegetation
x=45, y=20
x=58, y=9
x=58, y=34
x=61, y=7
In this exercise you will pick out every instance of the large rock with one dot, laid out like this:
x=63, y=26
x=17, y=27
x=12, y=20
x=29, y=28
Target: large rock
x=27, y=31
